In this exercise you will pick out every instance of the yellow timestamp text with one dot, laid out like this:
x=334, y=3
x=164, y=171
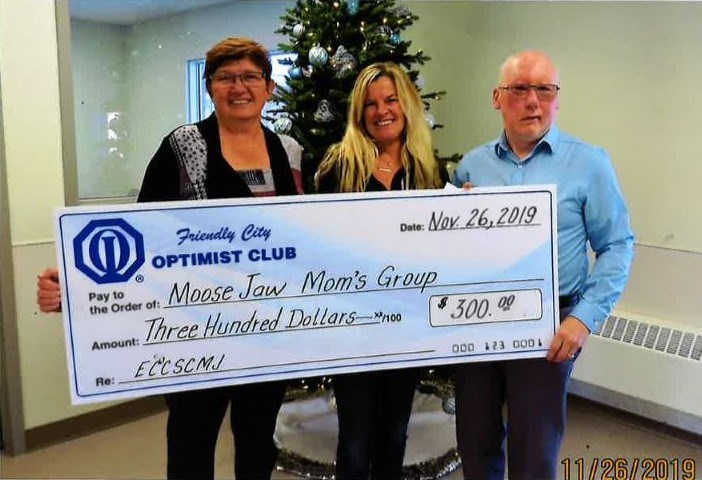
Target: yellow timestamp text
x=607, y=468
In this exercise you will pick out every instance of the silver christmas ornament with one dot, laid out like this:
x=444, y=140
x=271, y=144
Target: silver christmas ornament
x=298, y=30
x=384, y=32
x=448, y=405
x=402, y=11
x=282, y=125
x=419, y=82
x=429, y=118
x=346, y=70
x=324, y=112
x=318, y=56
x=343, y=62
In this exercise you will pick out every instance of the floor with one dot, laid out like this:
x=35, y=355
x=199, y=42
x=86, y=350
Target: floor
x=307, y=428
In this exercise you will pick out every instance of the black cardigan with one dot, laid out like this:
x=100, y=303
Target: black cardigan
x=330, y=182
x=162, y=180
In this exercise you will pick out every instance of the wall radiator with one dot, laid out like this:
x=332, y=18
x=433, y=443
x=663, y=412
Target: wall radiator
x=645, y=366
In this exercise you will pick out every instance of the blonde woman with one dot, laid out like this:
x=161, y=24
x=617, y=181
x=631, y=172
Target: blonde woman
x=386, y=146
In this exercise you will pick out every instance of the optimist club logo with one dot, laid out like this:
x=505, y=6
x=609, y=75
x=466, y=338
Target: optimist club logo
x=109, y=251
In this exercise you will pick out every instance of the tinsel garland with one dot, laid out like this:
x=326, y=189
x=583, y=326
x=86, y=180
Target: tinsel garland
x=296, y=464
x=435, y=382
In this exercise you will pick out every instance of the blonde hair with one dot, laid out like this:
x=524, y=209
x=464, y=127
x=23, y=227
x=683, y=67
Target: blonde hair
x=355, y=156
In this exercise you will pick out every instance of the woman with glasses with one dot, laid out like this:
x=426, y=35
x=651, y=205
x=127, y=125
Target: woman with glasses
x=228, y=155
x=386, y=146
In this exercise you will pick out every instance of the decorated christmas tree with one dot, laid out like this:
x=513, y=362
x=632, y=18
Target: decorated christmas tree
x=333, y=40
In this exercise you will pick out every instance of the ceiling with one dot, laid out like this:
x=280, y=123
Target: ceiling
x=129, y=12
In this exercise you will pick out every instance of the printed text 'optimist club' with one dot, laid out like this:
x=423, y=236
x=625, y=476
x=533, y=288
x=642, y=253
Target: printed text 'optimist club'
x=223, y=257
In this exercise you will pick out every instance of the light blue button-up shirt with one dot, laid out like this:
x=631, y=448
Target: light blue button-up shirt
x=590, y=208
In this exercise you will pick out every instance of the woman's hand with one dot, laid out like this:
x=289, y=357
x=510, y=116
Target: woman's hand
x=467, y=185
x=49, y=291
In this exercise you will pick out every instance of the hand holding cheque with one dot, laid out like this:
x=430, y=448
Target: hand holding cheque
x=173, y=296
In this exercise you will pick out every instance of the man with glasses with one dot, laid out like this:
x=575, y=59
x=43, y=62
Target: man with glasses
x=532, y=150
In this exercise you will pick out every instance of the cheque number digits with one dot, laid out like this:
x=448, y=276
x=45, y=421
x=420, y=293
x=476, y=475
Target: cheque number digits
x=463, y=348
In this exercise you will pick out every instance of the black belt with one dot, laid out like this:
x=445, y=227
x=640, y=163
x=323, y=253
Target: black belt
x=568, y=301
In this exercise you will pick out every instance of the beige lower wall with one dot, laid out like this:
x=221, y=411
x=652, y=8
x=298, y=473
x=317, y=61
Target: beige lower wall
x=665, y=284
x=44, y=372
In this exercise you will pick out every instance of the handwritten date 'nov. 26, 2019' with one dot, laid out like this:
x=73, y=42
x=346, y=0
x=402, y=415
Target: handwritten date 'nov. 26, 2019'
x=509, y=216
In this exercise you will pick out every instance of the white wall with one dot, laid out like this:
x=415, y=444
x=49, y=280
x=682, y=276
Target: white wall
x=30, y=115
x=30, y=103
x=100, y=89
x=31, y=123
x=630, y=82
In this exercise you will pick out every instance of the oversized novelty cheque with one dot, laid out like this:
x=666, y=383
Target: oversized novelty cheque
x=164, y=297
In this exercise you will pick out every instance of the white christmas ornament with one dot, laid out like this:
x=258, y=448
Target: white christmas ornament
x=318, y=56
x=282, y=125
x=298, y=30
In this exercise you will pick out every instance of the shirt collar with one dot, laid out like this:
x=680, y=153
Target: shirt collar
x=549, y=142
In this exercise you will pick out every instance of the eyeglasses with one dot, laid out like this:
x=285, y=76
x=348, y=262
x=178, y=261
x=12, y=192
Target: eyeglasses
x=247, y=78
x=547, y=91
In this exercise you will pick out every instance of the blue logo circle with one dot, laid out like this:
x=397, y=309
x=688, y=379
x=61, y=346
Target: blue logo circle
x=109, y=251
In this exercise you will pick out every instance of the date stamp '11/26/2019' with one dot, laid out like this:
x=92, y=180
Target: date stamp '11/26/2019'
x=641, y=468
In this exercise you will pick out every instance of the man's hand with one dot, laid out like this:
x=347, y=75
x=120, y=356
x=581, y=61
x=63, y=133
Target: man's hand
x=467, y=185
x=570, y=338
x=49, y=291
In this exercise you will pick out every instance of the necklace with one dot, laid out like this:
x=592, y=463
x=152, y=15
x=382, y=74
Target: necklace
x=389, y=167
